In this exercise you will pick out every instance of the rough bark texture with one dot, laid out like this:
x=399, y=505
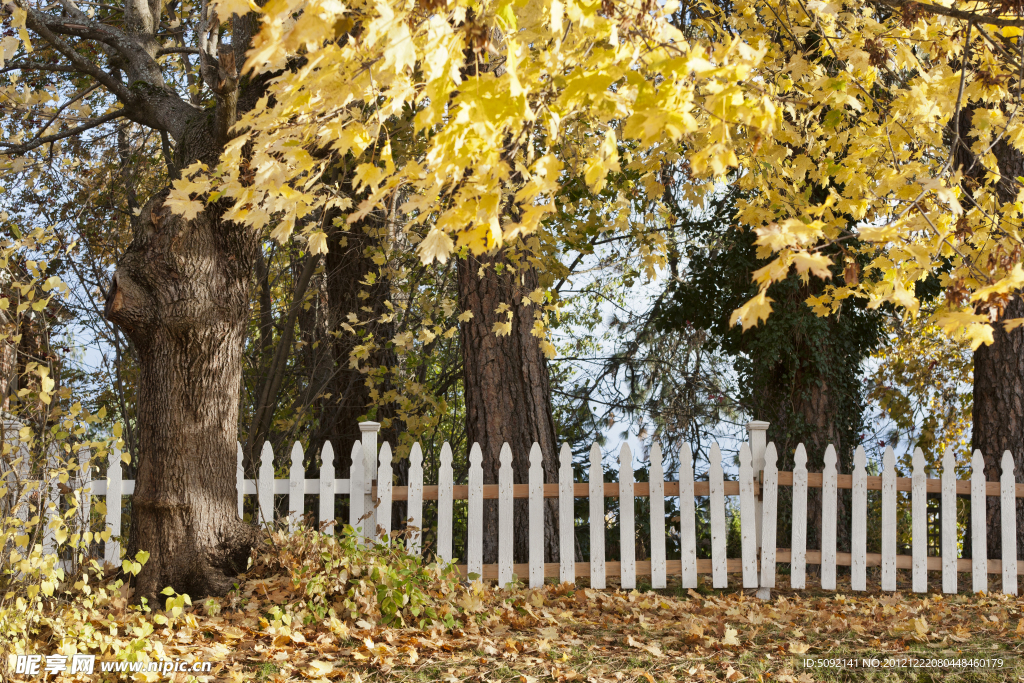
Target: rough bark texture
x=507, y=393
x=999, y=418
x=998, y=413
x=181, y=294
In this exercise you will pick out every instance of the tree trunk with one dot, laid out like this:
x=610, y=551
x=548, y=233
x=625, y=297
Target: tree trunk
x=998, y=413
x=508, y=393
x=998, y=418
x=181, y=294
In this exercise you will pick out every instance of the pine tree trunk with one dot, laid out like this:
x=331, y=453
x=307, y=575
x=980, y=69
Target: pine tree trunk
x=998, y=412
x=507, y=393
x=181, y=294
x=998, y=418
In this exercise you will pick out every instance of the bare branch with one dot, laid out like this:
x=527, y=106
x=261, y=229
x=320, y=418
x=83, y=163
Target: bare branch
x=37, y=142
x=953, y=13
x=177, y=50
x=37, y=22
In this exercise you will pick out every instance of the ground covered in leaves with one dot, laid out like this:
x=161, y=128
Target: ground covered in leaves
x=308, y=614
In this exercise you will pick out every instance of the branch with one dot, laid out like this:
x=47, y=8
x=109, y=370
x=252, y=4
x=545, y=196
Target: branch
x=177, y=50
x=953, y=13
x=37, y=23
x=64, y=106
x=36, y=142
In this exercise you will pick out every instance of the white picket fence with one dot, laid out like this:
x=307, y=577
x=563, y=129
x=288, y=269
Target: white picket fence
x=757, y=487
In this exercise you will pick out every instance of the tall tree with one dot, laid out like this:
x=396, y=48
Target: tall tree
x=181, y=290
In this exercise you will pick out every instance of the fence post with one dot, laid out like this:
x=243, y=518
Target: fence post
x=112, y=548
x=757, y=434
x=369, y=442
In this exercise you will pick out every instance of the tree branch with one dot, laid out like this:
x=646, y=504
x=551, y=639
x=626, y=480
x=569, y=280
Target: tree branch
x=177, y=50
x=36, y=142
x=953, y=13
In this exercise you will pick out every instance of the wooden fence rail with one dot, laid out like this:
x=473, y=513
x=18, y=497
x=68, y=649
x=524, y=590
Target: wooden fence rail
x=757, y=489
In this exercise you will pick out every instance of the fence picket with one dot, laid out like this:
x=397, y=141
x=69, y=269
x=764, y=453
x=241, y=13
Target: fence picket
x=50, y=499
x=355, y=485
x=1008, y=522
x=327, y=488
x=240, y=481
x=888, y=520
x=265, y=489
x=566, y=518
x=769, y=515
x=84, y=486
x=445, y=497
x=627, y=533
x=687, y=520
x=859, y=522
x=919, y=517
x=112, y=548
x=506, y=524
x=979, y=549
x=798, y=552
x=385, y=478
x=748, y=535
x=368, y=432
x=475, y=517
x=719, y=571
x=829, y=499
x=657, y=499
x=536, y=493
x=296, y=488
x=948, y=513
x=414, y=542
x=597, y=577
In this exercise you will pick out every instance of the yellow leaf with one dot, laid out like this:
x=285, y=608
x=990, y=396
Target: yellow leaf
x=753, y=312
x=798, y=648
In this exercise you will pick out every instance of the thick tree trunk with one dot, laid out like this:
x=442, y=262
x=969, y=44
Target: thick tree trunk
x=508, y=393
x=998, y=413
x=999, y=418
x=181, y=294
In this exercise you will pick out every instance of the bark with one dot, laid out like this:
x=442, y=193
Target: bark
x=998, y=418
x=181, y=295
x=998, y=413
x=508, y=393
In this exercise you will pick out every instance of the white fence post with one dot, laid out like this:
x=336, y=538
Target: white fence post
x=240, y=481
x=798, y=552
x=889, y=520
x=445, y=497
x=919, y=520
x=296, y=488
x=368, y=431
x=748, y=536
x=769, y=520
x=265, y=490
x=566, y=518
x=597, y=573
x=385, y=476
x=112, y=548
x=356, y=501
x=85, y=489
x=536, y=508
x=506, y=525
x=1008, y=522
x=627, y=525
x=757, y=435
x=719, y=566
x=327, y=488
x=414, y=542
x=979, y=545
x=949, y=535
x=657, y=500
x=687, y=520
x=829, y=500
x=475, y=518
x=859, y=522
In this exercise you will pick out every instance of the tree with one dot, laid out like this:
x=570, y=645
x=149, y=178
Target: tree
x=180, y=292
